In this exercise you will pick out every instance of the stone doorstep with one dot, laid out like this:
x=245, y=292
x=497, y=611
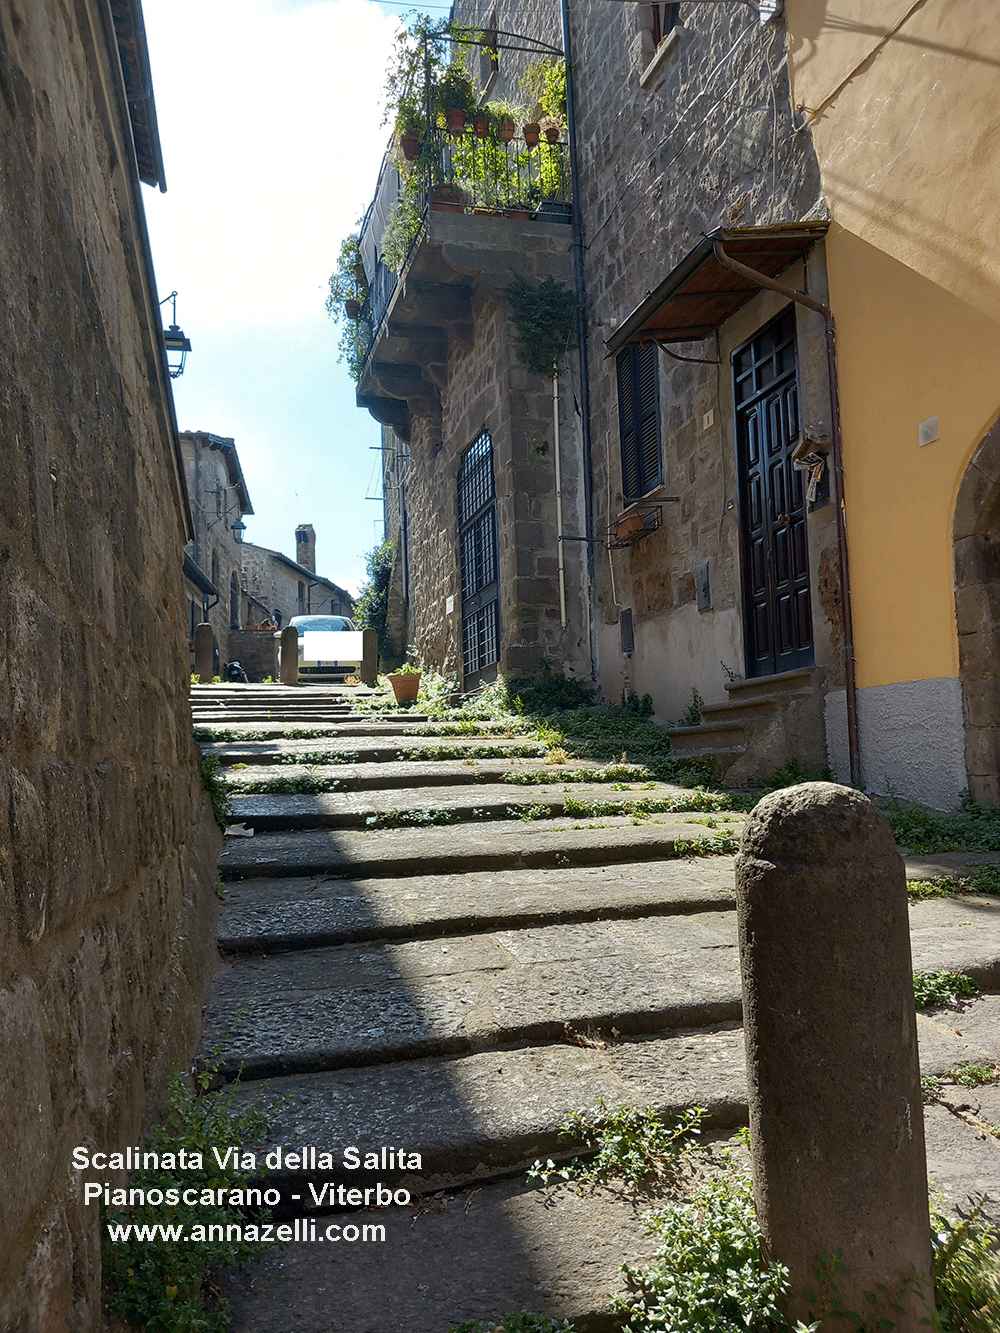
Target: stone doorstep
x=272, y=915
x=346, y=1005
x=799, y=681
x=347, y=810
x=499, y=844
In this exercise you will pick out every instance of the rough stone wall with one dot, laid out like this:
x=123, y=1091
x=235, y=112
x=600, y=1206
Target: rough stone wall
x=489, y=388
x=107, y=861
x=256, y=650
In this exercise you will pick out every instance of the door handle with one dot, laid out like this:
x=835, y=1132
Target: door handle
x=783, y=521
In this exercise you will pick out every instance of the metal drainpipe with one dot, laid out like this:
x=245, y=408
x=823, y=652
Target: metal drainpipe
x=582, y=330
x=850, y=679
x=559, y=510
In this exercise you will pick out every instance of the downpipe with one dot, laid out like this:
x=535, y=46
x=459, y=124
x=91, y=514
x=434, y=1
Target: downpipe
x=560, y=543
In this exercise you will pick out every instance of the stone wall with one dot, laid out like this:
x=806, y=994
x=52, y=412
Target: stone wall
x=489, y=387
x=256, y=650
x=107, y=861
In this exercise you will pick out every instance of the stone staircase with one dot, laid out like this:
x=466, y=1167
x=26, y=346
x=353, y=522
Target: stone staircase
x=454, y=990
x=765, y=722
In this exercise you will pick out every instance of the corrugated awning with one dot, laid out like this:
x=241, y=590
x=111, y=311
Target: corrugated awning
x=700, y=294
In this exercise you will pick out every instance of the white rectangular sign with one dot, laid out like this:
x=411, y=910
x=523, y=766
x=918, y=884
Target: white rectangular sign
x=331, y=646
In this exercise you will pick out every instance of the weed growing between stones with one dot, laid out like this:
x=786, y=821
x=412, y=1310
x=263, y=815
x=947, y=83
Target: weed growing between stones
x=623, y=1143
x=311, y=758
x=966, y=1273
x=408, y=818
x=215, y=785
x=303, y=784
x=162, y=1285
x=986, y=880
x=942, y=989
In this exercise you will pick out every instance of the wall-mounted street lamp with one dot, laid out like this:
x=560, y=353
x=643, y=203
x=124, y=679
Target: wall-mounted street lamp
x=237, y=529
x=176, y=344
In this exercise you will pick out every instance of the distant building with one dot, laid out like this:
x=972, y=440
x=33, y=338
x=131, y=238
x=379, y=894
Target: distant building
x=219, y=501
x=282, y=588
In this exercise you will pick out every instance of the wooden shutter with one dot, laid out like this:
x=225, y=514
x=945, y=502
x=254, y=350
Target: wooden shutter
x=639, y=421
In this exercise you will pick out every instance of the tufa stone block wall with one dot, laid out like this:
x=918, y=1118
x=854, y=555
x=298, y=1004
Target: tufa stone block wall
x=107, y=857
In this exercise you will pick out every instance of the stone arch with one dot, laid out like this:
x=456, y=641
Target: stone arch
x=976, y=538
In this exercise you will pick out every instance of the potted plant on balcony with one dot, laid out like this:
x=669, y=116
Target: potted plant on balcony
x=345, y=303
x=411, y=126
x=405, y=680
x=455, y=97
x=505, y=115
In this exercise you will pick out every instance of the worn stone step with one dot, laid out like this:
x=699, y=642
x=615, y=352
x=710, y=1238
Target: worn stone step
x=267, y=915
x=799, y=681
x=498, y=845
x=372, y=1004
x=480, y=1116
x=439, y=773
x=385, y=745
x=351, y=810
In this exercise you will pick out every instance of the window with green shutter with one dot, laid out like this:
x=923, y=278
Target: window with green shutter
x=639, y=421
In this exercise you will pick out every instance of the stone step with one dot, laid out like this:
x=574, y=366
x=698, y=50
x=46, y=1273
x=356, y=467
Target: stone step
x=499, y=845
x=380, y=749
x=352, y=810
x=492, y=1113
x=348, y=1006
x=493, y=1246
x=268, y=915
x=785, y=682
x=441, y=773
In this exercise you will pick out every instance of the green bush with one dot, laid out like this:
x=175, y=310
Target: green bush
x=371, y=608
x=165, y=1286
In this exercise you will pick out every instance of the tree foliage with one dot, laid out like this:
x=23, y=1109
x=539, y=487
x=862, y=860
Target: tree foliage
x=545, y=317
x=371, y=609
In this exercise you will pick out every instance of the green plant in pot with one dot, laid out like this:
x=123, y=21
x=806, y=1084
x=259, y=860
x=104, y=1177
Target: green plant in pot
x=344, y=304
x=411, y=126
x=405, y=680
x=455, y=97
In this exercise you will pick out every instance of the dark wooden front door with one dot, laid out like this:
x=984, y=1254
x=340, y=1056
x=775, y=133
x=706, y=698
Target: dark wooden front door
x=776, y=605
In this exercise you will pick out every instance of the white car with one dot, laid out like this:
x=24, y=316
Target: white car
x=318, y=650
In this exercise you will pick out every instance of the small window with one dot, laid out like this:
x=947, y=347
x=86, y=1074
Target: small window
x=663, y=19
x=639, y=422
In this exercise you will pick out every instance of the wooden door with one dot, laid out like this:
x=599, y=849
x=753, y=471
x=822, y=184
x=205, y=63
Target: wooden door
x=777, y=609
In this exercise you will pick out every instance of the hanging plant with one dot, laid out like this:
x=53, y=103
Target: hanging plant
x=345, y=296
x=545, y=318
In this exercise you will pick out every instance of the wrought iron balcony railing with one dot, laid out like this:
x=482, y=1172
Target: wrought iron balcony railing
x=467, y=174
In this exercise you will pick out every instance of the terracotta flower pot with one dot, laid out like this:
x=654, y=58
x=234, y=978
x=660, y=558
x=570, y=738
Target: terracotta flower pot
x=359, y=275
x=505, y=130
x=405, y=688
x=455, y=117
x=352, y=307
x=552, y=133
x=410, y=146
x=628, y=527
x=481, y=125
x=532, y=134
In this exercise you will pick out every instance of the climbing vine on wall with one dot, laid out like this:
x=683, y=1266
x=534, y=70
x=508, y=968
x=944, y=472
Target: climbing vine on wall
x=545, y=317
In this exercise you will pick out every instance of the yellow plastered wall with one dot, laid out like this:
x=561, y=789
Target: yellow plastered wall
x=901, y=101
x=906, y=351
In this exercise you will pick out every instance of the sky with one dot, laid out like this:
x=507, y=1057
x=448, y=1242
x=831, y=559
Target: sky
x=270, y=115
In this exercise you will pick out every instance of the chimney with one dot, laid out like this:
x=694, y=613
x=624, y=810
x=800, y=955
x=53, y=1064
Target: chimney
x=305, y=546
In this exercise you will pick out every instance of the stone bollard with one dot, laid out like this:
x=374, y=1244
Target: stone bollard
x=204, y=652
x=836, y=1115
x=289, y=655
x=369, y=657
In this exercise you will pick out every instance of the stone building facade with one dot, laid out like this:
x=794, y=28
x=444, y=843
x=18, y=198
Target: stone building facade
x=487, y=590
x=107, y=859
x=219, y=502
x=280, y=588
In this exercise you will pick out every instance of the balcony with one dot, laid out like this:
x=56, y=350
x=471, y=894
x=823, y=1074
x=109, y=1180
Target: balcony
x=469, y=211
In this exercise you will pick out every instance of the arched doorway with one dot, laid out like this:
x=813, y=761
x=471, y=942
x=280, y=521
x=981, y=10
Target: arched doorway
x=976, y=537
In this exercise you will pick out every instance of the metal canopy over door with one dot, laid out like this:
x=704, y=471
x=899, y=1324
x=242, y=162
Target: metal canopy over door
x=477, y=547
x=776, y=603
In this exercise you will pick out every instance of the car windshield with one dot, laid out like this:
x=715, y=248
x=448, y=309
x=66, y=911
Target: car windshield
x=320, y=623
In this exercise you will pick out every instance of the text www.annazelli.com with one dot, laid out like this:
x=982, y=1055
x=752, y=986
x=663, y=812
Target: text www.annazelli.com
x=252, y=1233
